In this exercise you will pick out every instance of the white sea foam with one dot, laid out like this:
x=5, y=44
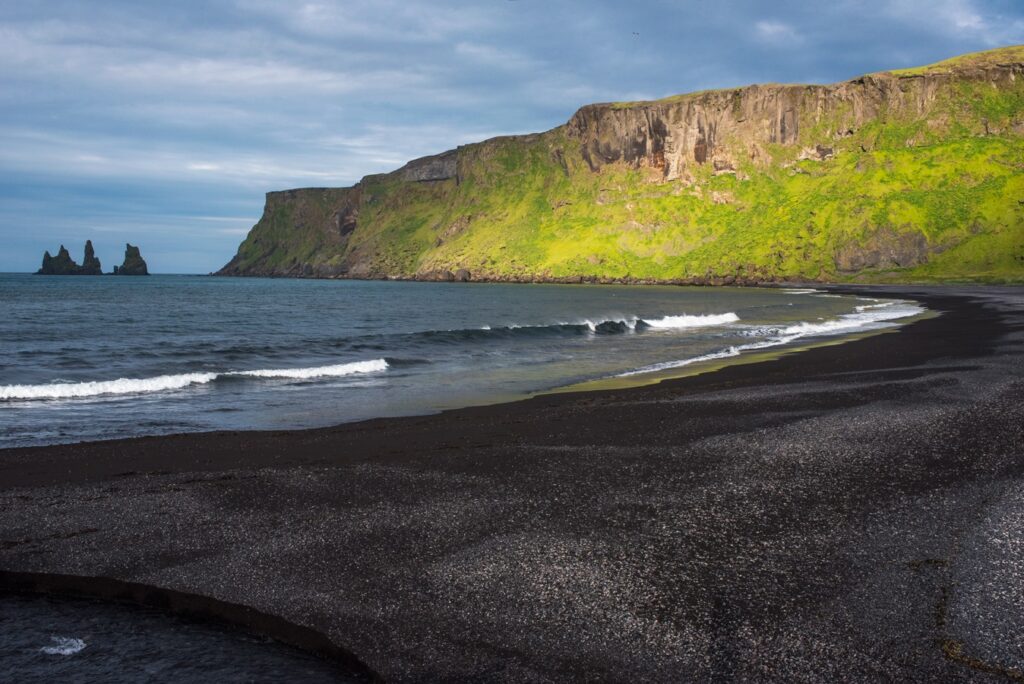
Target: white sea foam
x=868, y=307
x=668, y=322
x=335, y=371
x=63, y=646
x=808, y=290
x=692, y=321
x=865, y=317
x=868, y=317
x=631, y=323
x=73, y=390
x=667, y=365
x=163, y=383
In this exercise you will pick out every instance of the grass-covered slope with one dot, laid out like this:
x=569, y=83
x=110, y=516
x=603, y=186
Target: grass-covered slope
x=915, y=175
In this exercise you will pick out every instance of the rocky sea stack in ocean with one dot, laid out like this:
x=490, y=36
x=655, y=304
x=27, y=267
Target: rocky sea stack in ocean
x=133, y=264
x=63, y=264
x=907, y=175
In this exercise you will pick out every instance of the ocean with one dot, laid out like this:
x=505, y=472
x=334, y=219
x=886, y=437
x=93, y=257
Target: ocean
x=92, y=358
x=60, y=639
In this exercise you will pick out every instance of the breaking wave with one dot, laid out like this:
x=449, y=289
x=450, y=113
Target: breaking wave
x=163, y=383
x=866, y=317
x=599, y=327
x=337, y=370
x=692, y=321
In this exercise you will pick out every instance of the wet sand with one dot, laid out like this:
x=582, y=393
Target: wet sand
x=850, y=512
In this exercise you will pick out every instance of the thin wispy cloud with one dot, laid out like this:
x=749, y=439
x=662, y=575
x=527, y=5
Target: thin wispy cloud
x=778, y=33
x=141, y=118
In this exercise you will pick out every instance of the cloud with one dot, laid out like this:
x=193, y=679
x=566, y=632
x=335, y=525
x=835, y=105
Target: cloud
x=983, y=22
x=379, y=20
x=777, y=33
x=143, y=117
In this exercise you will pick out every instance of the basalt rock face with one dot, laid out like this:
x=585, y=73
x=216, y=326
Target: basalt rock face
x=725, y=128
x=134, y=264
x=63, y=264
x=910, y=175
x=303, y=233
x=435, y=168
x=90, y=264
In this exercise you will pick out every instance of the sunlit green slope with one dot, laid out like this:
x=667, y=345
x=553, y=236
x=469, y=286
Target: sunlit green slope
x=916, y=175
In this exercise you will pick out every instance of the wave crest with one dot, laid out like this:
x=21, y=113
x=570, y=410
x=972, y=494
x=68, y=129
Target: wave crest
x=685, y=321
x=164, y=383
x=334, y=371
x=74, y=390
x=867, y=317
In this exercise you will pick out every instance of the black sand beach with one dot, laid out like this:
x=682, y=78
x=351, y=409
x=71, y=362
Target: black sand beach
x=851, y=512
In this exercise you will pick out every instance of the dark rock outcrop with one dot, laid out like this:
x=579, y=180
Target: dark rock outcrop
x=90, y=264
x=885, y=249
x=434, y=168
x=725, y=127
x=133, y=264
x=63, y=264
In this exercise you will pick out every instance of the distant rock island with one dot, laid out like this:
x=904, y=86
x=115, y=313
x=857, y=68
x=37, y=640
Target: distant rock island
x=63, y=264
x=133, y=264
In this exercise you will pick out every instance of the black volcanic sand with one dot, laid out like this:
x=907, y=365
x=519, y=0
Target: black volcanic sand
x=852, y=512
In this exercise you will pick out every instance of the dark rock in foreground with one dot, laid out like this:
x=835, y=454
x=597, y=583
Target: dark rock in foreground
x=133, y=264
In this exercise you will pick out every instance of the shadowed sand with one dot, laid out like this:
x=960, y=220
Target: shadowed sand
x=851, y=512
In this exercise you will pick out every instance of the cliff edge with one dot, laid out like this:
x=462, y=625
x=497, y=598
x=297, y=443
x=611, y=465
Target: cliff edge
x=905, y=175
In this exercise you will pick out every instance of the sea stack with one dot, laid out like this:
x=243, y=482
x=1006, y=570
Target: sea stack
x=63, y=264
x=133, y=264
x=90, y=264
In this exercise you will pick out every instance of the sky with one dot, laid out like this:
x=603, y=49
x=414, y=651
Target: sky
x=164, y=123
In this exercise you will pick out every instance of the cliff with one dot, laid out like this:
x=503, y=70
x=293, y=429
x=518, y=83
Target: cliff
x=895, y=176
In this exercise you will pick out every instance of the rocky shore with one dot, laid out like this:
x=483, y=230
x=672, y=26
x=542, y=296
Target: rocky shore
x=846, y=513
x=463, y=275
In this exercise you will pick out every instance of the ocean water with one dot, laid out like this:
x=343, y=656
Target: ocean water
x=45, y=639
x=89, y=358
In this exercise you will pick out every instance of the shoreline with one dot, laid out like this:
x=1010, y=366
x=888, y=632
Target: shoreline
x=615, y=383
x=396, y=537
x=671, y=367
x=731, y=280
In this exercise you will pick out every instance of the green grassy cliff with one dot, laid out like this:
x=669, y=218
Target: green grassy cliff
x=913, y=175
